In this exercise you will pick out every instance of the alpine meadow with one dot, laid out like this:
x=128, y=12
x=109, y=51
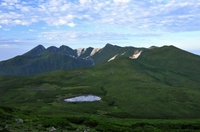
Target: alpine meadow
x=154, y=89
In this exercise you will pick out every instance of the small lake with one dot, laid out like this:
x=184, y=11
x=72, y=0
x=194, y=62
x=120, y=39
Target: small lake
x=83, y=98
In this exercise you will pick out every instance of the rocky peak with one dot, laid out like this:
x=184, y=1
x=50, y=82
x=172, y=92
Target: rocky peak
x=35, y=51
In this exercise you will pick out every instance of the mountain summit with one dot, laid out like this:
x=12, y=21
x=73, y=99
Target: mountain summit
x=35, y=51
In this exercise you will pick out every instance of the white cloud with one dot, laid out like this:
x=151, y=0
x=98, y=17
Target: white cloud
x=64, y=20
x=71, y=24
x=66, y=36
x=84, y=1
x=11, y=1
x=17, y=21
x=60, y=21
x=122, y=1
x=25, y=9
x=4, y=4
x=163, y=14
x=4, y=21
x=31, y=30
x=55, y=3
x=65, y=7
x=4, y=45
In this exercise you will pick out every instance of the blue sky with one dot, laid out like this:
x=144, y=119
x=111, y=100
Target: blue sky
x=92, y=23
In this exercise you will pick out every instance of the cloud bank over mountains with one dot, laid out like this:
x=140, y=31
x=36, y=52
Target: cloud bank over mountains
x=168, y=15
x=137, y=22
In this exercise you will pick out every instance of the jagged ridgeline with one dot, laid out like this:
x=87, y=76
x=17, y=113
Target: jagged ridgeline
x=41, y=59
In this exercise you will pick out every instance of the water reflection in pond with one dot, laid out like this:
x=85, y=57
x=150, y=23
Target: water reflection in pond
x=83, y=98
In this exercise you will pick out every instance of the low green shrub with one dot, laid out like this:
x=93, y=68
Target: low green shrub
x=56, y=122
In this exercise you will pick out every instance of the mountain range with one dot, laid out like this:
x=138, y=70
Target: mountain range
x=132, y=82
x=41, y=59
x=141, y=89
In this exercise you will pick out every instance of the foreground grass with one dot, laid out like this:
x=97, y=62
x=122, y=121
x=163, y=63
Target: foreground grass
x=90, y=123
x=135, y=97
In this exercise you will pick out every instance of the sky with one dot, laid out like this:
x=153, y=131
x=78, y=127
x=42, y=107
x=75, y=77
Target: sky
x=25, y=24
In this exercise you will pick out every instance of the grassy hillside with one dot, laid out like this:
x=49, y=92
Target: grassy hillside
x=128, y=88
x=154, y=86
x=173, y=59
x=29, y=65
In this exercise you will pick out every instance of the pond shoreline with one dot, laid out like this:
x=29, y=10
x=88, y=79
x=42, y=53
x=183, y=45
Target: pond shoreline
x=63, y=99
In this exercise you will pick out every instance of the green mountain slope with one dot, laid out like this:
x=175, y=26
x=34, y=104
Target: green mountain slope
x=41, y=60
x=173, y=59
x=147, y=87
x=28, y=65
x=109, y=51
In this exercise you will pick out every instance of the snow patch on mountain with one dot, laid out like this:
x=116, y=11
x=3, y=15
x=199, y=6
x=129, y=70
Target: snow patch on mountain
x=79, y=50
x=94, y=51
x=136, y=54
x=113, y=58
x=123, y=53
x=83, y=50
